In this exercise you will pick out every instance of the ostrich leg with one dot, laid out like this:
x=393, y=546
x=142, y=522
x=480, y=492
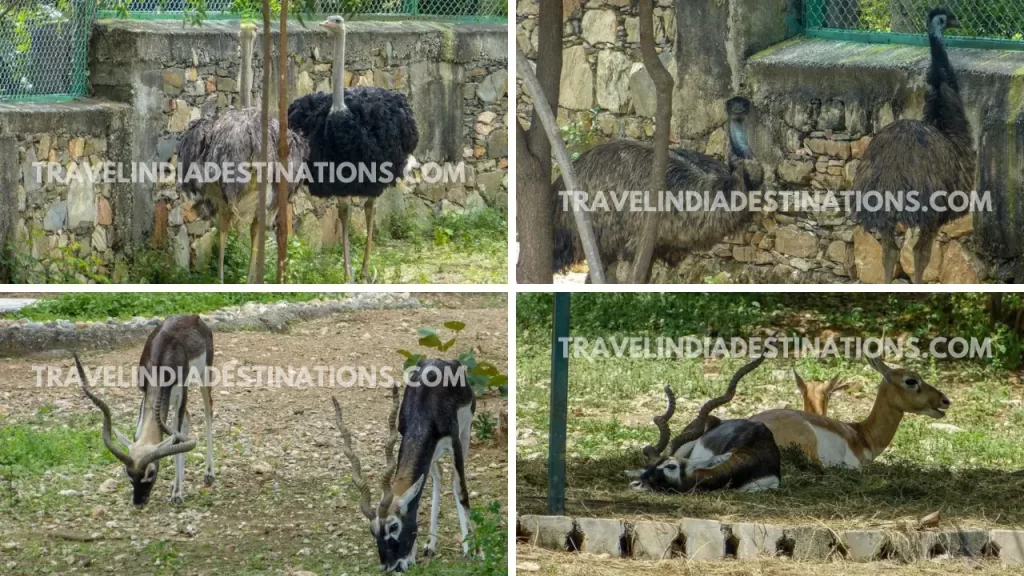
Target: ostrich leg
x=369, y=209
x=890, y=254
x=224, y=225
x=344, y=237
x=922, y=253
x=254, y=229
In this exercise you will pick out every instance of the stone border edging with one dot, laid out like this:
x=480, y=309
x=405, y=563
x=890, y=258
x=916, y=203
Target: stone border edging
x=24, y=337
x=701, y=539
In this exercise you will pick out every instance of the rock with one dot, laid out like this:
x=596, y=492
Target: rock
x=262, y=468
x=832, y=116
x=705, y=539
x=549, y=532
x=863, y=545
x=816, y=145
x=81, y=202
x=796, y=242
x=838, y=149
x=744, y=253
x=850, y=172
x=304, y=573
x=104, y=215
x=641, y=87
x=493, y=87
x=795, y=172
x=867, y=257
x=613, y=80
x=960, y=266
x=859, y=147
x=756, y=540
x=856, y=119
x=601, y=536
x=960, y=227
x=69, y=493
x=177, y=216
x=229, y=84
x=497, y=144
x=484, y=122
x=931, y=270
x=576, y=89
x=31, y=181
x=599, y=26
x=303, y=85
x=56, y=216
x=716, y=143
x=1010, y=544
x=99, y=239
x=204, y=246
x=180, y=117
x=474, y=201
x=945, y=427
x=76, y=147
x=654, y=540
x=527, y=567
x=174, y=80
x=166, y=146
x=179, y=246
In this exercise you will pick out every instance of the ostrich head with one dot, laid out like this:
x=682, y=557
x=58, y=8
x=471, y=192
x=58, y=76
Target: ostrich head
x=247, y=29
x=334, y=24
x=941, y=19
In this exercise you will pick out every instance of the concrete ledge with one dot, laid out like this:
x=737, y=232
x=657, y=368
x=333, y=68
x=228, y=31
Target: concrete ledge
x=712, y=540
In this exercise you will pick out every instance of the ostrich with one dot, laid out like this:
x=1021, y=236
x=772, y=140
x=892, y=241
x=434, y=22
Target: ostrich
x=231, y=139
x=931, y=156
x=625, y=165
x=363, y=136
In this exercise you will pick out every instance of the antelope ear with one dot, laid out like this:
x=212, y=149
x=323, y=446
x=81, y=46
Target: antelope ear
x=879, y=366
x=412, y=492
x=836, y=384
x=633, y=474
x=800, y=384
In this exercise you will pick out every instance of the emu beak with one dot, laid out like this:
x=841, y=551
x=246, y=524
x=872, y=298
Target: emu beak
x=953, y=23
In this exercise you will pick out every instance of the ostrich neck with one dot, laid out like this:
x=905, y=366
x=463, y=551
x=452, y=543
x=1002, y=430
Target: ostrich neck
x=245, y=82
x=339, y=72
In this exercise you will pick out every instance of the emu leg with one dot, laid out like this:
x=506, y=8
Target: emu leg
x=890, y=255
x=369, y=209
x=344, y=238
x=922, y=253
x=435, y=508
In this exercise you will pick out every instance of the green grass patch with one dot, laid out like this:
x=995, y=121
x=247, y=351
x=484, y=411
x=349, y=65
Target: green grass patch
x=31, y=449
x=76, y=306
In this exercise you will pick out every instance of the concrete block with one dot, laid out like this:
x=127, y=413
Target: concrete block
x=811, y=542
x=601, y=536
x=756, y=540
x=654, y=540
x=705, y=539
x=953, y=543
x=863, y=545
x=1010, y=545
x=548, y=532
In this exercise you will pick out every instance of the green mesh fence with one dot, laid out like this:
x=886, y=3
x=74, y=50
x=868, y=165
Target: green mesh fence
x=469, y=10
x=985, y=23
x=43, y=48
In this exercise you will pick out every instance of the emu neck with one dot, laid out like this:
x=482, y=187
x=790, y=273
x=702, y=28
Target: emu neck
x=338, y=104
x=943, y=107
x=738, y=139
x=245, y=82
x=879, y=428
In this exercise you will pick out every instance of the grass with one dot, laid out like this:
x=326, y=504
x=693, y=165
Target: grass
x=31, y=449
x=76, y=306
x=965, y=471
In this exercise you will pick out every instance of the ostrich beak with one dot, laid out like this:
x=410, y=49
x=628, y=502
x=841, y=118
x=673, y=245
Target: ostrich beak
x=328, y=24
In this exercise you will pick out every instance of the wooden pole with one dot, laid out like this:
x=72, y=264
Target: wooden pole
x=282, y=146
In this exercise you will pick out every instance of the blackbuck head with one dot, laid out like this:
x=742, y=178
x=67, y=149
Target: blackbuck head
x=141, y=459
x=908, y=392
x=393, y=524
x=816, y=394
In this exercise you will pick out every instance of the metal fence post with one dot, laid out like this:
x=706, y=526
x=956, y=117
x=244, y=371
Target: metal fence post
x=558, y=405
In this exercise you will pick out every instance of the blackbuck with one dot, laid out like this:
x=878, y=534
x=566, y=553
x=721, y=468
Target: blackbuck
x=834, y=443
x=711, y=454
x=178, y=350
x=435, y=418
x=816, y=394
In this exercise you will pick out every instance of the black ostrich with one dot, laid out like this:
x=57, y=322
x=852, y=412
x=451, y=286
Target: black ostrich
x=625, y=165
x=932, y=156
x=231, y=139
x=360, y=140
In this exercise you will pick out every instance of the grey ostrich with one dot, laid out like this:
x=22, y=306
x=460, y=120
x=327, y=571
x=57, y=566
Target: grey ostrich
x=931, y=156
x=625, y=165
x=368, y=128
x=230, y=139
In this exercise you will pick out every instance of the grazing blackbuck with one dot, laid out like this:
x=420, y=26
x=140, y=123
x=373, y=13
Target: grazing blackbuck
x=711, y=454
x=436, y=414
x=854, y=444
x=178, y=351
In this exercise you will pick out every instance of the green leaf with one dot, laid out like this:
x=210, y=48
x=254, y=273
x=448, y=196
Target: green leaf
x=405, y=353
x=455, y=325
x=468, y=358
x=424, y=332
x=431, y=341
x=499, y=380
x=444, y=347
x=486, y=369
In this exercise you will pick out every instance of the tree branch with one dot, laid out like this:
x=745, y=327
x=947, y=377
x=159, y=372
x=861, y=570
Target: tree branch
x=14, y=4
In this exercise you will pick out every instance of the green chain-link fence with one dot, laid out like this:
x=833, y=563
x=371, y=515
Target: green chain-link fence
x=985, y=23
x=468, y=10
x=43, y=47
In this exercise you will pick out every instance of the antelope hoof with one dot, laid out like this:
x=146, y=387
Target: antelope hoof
x=208, y=479
x=429, y=552
x=177, y=499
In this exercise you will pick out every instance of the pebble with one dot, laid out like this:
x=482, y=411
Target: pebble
x=109, y=485
x=69, y=492
x=527, y=567
x=262, y=468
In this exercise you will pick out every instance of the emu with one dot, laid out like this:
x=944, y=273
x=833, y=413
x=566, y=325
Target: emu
x=711, y=454
x=930, y=157
x=369, y=129
x=434, y=419
x=625, y=165
x=176, y=351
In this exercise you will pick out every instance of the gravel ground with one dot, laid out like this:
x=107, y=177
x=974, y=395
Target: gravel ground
x=282, y=501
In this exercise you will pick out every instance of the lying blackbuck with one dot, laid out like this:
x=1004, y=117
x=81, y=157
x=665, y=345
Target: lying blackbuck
x=816, y=394
x=711, y=454
x=834, y=443
x=180, y=348
x=435, y=418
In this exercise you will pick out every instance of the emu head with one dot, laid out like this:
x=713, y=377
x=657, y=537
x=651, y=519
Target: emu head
x=393, y=524
x=907, y=391
x=141, y=461
x=816, y=395
x=941, y=19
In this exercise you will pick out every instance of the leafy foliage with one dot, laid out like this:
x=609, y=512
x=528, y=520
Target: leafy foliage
x=489, y=539
x=78, y=306
x=482, y=376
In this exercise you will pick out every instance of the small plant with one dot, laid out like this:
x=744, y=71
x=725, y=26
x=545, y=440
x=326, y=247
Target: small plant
x=485, y=425
x=482, y=375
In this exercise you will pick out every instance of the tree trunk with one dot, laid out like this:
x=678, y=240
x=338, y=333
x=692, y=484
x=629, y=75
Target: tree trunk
x=282, y=146
x=663, y=83
x=534, y=218
x=261, y=208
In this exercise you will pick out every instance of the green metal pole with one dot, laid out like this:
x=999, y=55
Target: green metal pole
x=559, y=405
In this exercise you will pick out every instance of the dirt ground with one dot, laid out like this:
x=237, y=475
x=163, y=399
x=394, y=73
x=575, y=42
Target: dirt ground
x=535, y=560
x=282, y=501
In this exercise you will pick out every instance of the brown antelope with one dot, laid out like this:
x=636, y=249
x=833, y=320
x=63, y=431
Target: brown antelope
x=817, y=394
x=711, y=454
x=180, y=348
x=834, y=443
x=435, y=418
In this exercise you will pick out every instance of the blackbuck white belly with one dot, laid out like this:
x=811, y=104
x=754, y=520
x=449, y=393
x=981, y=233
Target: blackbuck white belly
x=832, y=448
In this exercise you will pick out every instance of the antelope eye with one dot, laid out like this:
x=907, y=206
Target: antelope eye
x=394, y=528
x=912, y=382
x=671, y=467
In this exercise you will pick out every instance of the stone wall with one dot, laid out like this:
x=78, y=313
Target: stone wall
x=817, y=103
x=163, y=76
